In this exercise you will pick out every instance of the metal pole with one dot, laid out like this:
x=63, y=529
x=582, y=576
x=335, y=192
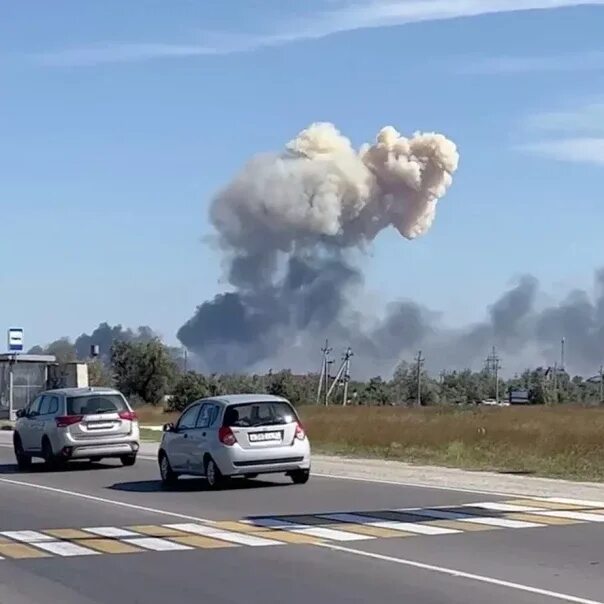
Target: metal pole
x=420, y=362
x=601, y=384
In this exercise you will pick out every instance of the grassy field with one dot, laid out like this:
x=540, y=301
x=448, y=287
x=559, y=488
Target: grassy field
x=559, y=441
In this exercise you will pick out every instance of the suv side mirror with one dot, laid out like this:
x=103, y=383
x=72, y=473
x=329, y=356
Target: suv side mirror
x=21, y=413
x=169, y=428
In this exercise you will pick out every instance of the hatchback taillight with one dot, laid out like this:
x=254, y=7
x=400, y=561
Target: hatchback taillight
x=128, y=415
x=68, y=420
x=300, y=434
x=226, y=436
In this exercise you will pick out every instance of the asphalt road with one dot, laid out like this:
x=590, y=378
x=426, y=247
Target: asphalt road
x=105, y=534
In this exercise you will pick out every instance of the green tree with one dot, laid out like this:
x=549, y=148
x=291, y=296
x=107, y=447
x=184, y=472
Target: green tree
x=143, y=369
x=189, y=387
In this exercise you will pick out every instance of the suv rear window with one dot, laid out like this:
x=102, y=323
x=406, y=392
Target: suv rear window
x=259, y=414
x=92, y=404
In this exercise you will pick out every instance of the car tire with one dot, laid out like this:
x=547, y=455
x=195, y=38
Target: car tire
x=300, y=476
x=23, y=459
x=214, y=476
x=50, y=460
x=167, y=474
x=128, y=460
x=95, y=459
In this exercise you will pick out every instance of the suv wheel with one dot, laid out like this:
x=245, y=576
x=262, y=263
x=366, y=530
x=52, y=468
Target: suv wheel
x=49, y=457
x=128, y=460
x=23, y=459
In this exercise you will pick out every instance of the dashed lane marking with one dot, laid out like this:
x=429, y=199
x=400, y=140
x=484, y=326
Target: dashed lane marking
x=65, y=548
x=19, y=551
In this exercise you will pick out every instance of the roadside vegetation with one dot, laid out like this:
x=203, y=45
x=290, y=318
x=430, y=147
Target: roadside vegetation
x=558, y=433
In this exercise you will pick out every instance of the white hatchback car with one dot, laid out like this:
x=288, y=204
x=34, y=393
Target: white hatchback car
x=235, y=435
x=76, y=423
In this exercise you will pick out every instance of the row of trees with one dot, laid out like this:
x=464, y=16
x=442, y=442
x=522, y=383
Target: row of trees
x=147, y=371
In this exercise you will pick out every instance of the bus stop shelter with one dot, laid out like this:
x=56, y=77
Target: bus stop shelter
x=22, y=378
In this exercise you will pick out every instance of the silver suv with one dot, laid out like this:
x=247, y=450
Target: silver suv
x=235, y=435
x=76, y=423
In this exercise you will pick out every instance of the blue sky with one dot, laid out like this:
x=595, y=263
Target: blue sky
x=118, y=121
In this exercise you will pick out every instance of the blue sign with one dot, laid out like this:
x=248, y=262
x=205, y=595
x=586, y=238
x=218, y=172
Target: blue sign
x=15, y=339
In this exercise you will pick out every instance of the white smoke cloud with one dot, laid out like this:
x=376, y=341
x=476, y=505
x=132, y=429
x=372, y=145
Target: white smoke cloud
x=321, y=189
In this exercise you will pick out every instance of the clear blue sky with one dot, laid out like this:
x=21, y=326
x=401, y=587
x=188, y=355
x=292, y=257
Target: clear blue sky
x=118, y=121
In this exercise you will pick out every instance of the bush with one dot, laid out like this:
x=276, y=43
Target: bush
x=188, y=388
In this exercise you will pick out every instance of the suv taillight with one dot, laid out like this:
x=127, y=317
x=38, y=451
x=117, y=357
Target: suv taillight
x=226, y=436
x=68, y=420
x=128, y=415
x=300, y=434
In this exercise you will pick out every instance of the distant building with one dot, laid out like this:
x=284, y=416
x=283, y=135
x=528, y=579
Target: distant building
x=519, y=397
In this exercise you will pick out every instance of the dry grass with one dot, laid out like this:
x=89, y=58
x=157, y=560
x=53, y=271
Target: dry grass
x=549, y=441
x=564, y=442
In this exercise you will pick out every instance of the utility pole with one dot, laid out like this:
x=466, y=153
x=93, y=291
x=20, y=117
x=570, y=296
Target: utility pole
x=184, y=360
x=601, y=384
x=562, y=351
x=493, y=366
x=347, y=356
x=343, y=367
x=419, y=364
x=324, y=376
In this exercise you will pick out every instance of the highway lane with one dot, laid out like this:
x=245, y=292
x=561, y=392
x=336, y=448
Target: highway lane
x=561, y=559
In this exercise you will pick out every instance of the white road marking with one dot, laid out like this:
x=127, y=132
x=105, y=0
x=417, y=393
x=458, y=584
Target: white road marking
x=66, y=548
x=122, y=504
x=208, y=531
x=27, y=536
x=503, y=522
x=110, y=531
x=157, y=545
x=312, y=531
x=572, y=515
x=591, y=504
x=464, y=575
x=502, y=507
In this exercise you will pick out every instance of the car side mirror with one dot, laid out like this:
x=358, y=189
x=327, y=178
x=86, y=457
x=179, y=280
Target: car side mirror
x=169, y=428
x=21, y=413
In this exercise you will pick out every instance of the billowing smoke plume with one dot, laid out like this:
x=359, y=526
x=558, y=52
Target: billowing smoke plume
x=287, y=224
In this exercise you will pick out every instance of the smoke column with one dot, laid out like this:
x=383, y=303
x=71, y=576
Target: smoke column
x=287, y=224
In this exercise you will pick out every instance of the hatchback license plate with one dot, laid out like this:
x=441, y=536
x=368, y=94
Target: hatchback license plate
x=264, y=436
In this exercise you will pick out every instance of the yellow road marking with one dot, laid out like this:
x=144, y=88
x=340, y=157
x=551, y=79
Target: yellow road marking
x=111, y=546
x=5, y=540
x=372, y=531
x=156, y=531
x=202, y=542
x=67, y=534
x=467, y=527
x=288, y=537
x=18, y=551
x=536, y=517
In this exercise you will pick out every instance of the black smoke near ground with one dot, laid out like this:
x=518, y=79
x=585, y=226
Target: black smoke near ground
x=288, y=226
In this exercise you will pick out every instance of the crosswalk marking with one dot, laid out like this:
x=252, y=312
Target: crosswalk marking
x=551, y=520
x=305, y=529
x=311, y=531
x=152, y=530
x=111, y=531
x=27, y=536
x=575, y=515
x=208, y=531
x=67, y=534
x=111, y=546
x=65, y=548
x=19, y=551
x=156, y=544
x=202, y=542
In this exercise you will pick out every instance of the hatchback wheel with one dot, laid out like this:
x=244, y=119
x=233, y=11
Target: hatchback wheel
x=300, y=476
x=213, y=475
x=168, y=475
x=23, y=459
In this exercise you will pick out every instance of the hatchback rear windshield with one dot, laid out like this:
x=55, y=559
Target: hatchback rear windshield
x=259, y=414
x=92, y=404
